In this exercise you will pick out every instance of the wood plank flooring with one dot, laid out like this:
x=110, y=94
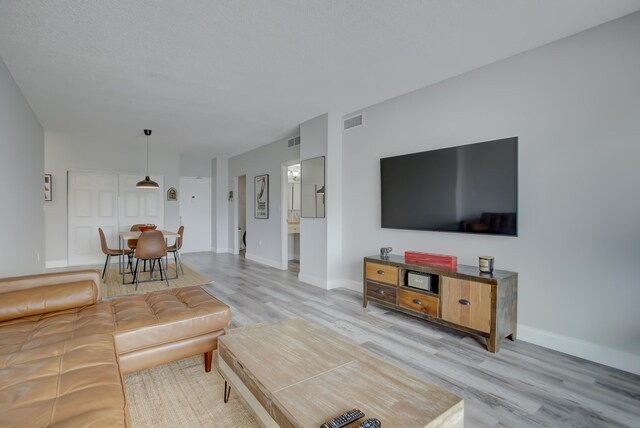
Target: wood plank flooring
x=523, y=385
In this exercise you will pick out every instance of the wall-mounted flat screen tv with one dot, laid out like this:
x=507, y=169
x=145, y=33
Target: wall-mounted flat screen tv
x=471, y=188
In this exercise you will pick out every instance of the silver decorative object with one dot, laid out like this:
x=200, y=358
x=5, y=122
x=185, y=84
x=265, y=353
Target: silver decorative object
x=384, y=252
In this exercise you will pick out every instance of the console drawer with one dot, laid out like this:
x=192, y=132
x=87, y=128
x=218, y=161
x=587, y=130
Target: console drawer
x=381, y=292
x=418, y=302
x=382, y=273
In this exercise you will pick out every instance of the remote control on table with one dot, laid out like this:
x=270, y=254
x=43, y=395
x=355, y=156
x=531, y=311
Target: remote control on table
x=370, y=423
x=343, y=419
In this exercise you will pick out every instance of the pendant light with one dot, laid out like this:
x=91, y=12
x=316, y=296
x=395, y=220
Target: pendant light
x=147, y=183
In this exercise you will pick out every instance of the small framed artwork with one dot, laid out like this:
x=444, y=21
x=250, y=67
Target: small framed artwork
x=172, y=194
x=261, y=196
x=48, y=187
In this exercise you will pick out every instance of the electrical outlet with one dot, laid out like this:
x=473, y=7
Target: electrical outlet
x=260, y=242
x=38, y=256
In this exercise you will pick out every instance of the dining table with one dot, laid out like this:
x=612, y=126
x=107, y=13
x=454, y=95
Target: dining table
x=135, y=234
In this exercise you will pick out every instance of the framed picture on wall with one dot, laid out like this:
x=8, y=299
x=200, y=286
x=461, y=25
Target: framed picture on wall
x=48, y=184
x=261, y=196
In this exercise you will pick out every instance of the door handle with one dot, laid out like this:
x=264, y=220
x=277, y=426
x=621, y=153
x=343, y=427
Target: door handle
x=380, y=272
x=417, y=302
x=464, y=302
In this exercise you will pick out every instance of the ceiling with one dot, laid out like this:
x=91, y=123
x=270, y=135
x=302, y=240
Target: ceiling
x=223, y=77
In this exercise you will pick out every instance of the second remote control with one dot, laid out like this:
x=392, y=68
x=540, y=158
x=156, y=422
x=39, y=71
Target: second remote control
x=370, y=423
x=343, y=419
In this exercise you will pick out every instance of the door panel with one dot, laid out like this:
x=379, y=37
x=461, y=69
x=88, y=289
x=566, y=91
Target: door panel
x=140, y=206
x=93, y=202
x=195, y=213
x=92, y=198
x=467, y=303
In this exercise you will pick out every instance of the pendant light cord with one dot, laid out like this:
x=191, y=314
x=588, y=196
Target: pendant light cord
x=147, y=156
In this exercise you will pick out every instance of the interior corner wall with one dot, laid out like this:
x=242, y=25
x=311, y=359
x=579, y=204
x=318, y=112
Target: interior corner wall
x=220, y=204
x=22, y=172
x=264, y=236
x=314, y=134
x=574, y=104
x=64, y=152
x=333, y=200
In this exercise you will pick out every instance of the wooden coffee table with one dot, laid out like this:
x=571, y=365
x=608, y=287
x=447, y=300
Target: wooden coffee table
x=298, y=374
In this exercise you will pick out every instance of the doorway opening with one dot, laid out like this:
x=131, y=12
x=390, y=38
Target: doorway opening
x=293, y=217
x=242, y=214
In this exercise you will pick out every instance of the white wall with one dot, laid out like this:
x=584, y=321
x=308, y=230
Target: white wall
x=220, y=189
x=64, y=152
x=575, y=104
x=321, y=238
x=195, y=166
x=263, y=235
x=22, y=174
x=313, y=231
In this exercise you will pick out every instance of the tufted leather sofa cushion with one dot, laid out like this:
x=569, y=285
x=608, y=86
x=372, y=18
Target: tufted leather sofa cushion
x=137, y=321
x=64, y=368
x=35, y=331
x=73, y=383
x=165, y=316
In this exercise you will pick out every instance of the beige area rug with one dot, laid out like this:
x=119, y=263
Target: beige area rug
x=181, y=394
x=114, y=287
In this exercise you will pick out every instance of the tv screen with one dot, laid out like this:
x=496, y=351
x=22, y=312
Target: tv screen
x=471, y=189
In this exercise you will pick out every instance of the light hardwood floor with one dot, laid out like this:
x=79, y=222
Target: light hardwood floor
x=523, y=385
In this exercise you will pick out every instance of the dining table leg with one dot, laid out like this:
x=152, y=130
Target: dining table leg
x=122, y=257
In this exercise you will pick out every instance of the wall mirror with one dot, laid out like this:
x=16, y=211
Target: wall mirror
x=312, y=186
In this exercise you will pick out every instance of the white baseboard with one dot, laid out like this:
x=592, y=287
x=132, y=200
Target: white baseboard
x=273, y=263
x=312, y=280
x=220, y=250
x=581, y=348
x=49, y=264
x=330, y=284
x=352, y=285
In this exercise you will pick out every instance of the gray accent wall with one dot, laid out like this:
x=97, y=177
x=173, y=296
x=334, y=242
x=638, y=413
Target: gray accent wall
x=264, y=236
x=575, y=106
x=22, y=178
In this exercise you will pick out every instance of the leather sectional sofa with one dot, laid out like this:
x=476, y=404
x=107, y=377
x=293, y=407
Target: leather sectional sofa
x=63, y=350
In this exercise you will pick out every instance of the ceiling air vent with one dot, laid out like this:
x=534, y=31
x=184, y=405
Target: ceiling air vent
x=352, y=122
x=293, y=142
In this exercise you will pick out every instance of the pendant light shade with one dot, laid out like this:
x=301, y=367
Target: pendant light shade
x=147, y=183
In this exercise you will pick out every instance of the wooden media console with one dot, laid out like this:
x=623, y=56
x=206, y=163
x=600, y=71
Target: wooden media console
x=463, y=298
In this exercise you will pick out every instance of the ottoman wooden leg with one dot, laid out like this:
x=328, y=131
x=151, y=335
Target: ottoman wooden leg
x=227, y=391
x=208, y=356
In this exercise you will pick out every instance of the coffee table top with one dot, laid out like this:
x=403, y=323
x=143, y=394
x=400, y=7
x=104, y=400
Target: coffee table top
x=304, y=374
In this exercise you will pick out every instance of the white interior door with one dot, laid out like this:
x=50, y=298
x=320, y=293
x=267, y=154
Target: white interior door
x=92, y=203
x=140, y=206
x=195, y=213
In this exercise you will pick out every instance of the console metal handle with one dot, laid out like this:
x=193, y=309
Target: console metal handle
x=381, y=292
x=417, y=302
x=464, y=302
x=380, y=272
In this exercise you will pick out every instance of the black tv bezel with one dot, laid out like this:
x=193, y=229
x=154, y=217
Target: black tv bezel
x=461, y=232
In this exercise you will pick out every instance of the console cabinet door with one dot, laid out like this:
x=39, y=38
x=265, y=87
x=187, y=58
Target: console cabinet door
x=466, y=303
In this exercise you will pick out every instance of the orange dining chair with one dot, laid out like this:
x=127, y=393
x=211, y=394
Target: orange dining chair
x=175, y=249
x=111, y=252
x=151, y=246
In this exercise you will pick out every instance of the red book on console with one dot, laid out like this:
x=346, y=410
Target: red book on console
x=440, y=260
